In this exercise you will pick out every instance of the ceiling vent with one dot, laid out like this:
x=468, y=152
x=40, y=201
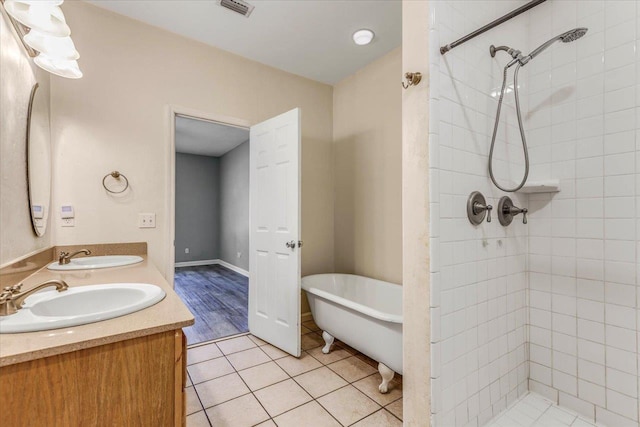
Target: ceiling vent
x=238, y=6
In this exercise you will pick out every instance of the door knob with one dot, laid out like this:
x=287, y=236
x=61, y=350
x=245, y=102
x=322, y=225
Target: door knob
x=291, y=244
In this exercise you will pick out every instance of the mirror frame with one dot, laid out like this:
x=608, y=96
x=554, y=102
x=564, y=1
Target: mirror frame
x=37, y=232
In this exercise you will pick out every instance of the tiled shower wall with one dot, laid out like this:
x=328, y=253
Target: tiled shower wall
x=583, y=126
x=478, y=305
x=577, y=260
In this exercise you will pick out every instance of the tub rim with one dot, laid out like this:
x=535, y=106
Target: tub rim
x=368, y=311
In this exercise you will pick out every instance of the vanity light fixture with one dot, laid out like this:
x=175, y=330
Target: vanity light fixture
x=59, y=67
x=44, y=29
x=363, y=37
x=54, y=47
x=41, y=15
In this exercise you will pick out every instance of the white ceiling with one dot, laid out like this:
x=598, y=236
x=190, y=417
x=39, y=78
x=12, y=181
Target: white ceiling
x=310, y=38
x=207, y=138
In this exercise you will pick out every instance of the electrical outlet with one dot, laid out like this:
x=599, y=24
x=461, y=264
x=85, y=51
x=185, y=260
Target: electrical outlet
x=68, y=222
x=186, y=250
x=239, y=255
x=147, y=220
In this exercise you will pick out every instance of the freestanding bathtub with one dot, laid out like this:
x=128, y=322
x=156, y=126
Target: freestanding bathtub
x=364, y=313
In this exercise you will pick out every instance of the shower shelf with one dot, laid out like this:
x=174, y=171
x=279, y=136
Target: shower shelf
x=542, y=186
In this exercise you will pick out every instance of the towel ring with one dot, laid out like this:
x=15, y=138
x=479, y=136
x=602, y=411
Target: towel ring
x=116, y=175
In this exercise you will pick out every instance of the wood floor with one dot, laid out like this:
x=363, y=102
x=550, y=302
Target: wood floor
x=218, y=299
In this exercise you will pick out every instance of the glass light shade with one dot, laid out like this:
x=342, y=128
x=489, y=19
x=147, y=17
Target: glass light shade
x=43, y=16
x=363, y=37
x=53, y=47
x=59, y=67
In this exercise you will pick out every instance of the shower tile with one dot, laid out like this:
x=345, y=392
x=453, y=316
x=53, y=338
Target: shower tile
x=623, y=383
x=622, y=404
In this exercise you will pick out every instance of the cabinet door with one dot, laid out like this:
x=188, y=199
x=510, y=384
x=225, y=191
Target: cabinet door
x=127, y=383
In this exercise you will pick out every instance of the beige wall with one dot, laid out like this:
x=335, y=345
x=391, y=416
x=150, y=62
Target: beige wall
x=367, y=165
x=17, y=77
x=415, y=216
x=115, y=118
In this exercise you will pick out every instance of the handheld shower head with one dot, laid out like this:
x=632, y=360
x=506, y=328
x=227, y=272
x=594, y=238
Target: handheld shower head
x=567, y=37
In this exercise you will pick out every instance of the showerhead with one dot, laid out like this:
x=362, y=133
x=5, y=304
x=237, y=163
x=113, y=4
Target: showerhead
x=574, y=34
x=567, y=37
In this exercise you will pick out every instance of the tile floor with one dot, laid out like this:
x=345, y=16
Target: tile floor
x=534, y=410
x=244, y=381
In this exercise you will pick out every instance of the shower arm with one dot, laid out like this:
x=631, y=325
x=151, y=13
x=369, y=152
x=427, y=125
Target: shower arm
x=514, y=53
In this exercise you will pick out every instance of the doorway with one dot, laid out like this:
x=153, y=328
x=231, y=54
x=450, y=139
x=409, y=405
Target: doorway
x=273, y=256
x=212, y=226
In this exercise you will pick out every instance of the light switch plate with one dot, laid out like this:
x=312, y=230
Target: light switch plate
x=147, y=220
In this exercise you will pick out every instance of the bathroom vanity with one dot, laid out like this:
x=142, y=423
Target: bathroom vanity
x=129, y=370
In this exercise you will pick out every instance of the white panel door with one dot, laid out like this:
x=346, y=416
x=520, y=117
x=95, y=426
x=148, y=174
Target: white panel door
x=274, y=266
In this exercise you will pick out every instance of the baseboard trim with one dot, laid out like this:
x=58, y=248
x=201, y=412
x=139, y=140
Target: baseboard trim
x=231, y=267
x=305, y=317
x=197, y=263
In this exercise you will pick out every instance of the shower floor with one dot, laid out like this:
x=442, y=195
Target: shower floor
x=534, y=410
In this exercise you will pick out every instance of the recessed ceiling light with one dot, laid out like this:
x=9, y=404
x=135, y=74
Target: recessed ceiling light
x=362, y=37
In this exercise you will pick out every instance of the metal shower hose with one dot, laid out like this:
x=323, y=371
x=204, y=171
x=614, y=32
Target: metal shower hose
x=495, y=131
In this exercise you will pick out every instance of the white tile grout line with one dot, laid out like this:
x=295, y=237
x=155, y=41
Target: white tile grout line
x=289, y=377
x=550, y=406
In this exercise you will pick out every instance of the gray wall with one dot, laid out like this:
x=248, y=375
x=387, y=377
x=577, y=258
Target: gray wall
x=212, y=207
x=234, y=206
x=197, y=201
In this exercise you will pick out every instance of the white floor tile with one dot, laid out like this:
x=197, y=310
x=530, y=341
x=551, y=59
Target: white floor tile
x=534, y=410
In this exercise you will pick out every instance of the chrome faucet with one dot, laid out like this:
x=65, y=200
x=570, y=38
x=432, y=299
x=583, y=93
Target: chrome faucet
x=12, y=297
x=65, y=257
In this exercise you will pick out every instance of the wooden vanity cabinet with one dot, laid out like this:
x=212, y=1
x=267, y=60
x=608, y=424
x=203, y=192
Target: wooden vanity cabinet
x=136, y=382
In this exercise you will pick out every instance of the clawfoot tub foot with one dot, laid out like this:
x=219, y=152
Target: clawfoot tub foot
x=328, y=339
x=387, y=375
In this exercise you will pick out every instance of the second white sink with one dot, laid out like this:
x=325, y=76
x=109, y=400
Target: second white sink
x=80, y=305
x=92, y=262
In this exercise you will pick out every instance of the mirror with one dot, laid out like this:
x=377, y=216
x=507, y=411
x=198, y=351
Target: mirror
x=39, y=160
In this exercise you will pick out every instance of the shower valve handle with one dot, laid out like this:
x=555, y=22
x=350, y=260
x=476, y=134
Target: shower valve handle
x=523, y=211
x=479, y=207
x=507, y=210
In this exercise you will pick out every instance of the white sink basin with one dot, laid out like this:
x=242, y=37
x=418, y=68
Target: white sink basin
x=92, y=262
x=50, y=309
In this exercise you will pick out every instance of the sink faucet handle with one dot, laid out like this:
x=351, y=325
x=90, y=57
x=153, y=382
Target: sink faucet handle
x=15, y=289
